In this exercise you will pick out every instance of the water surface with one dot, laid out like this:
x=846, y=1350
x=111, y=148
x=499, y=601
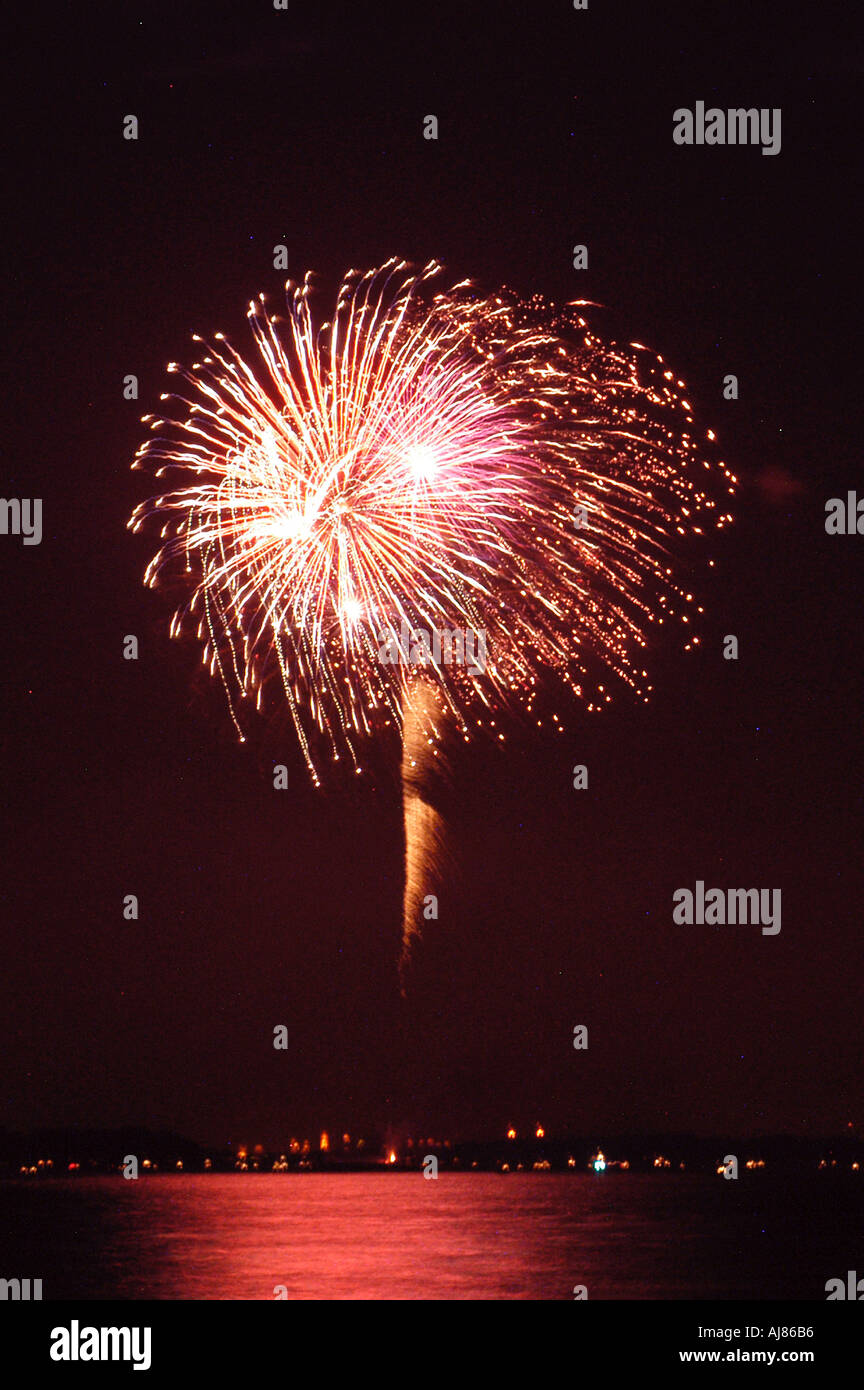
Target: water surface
x=400, y=1236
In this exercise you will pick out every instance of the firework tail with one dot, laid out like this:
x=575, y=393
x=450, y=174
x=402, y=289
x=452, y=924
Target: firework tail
x=424, y=772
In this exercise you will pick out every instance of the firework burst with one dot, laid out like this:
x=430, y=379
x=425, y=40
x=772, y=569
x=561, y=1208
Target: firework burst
x=427, y=461
x=444, y=461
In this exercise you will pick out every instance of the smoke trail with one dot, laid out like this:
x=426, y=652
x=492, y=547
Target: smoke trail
x=424, y=774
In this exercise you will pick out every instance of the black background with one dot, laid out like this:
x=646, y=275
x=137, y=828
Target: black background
x=260, y=907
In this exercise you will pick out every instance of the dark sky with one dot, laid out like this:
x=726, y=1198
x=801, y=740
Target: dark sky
x=258, y=907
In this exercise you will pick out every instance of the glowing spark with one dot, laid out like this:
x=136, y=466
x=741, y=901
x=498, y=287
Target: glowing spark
x=422, y=461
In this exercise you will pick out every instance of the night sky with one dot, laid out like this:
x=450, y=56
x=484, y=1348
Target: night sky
x=260, y=907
